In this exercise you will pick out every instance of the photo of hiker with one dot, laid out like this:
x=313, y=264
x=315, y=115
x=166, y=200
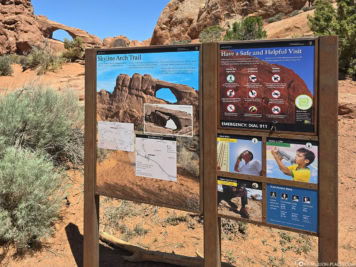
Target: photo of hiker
x=292, y=160
x=241, y=199
x=295, y=198
x=240, y=154
x=273, y=194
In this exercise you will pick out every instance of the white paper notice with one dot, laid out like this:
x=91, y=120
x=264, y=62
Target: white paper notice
x=116, y=136
x=156, y=157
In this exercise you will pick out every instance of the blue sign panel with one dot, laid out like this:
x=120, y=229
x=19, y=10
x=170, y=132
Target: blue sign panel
x=292, y=207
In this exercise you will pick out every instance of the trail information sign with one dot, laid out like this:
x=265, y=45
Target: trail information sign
x=241, y=130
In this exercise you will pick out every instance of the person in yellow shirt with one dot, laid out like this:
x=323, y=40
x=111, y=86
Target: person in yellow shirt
x=299, y=171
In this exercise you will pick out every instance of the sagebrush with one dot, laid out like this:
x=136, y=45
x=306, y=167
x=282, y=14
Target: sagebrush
x=44, y=120
x=5, y=66
x=31, y=193
x=74, y=49
x=211, y=34
x=42, y=59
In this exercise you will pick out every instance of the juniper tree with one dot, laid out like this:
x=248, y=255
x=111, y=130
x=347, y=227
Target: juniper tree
x=341, y=22
x=250, y=28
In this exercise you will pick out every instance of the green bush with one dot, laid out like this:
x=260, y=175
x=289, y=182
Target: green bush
x=250, y=28
x=324, y=20
x=44, y=120
x=41, y=59
x=211, y=34
x=5, y=66
x=341, y=22
x=74, y=49
x=31, y=193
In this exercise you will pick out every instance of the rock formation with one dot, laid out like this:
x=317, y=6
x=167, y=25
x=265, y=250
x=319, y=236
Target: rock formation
x=126, y=102
x=47, y=27
x=21, y=29
x=123, y=41
x=185, y=19
x=18, y=26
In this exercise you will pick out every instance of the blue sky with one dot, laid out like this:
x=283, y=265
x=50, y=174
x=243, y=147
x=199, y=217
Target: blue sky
x=135, y=19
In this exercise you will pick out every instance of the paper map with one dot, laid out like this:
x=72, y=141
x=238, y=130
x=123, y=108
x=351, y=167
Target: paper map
x=116, y=136
x=156, y=157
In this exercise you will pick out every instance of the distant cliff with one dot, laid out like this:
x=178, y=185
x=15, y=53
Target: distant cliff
x=185, y=19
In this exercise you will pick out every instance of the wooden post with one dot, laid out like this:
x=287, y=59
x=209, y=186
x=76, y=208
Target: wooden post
x=91, y=201
x=209, y=132
x=328, y=149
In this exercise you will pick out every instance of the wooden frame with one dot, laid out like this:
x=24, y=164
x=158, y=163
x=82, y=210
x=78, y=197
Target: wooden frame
x=325, y=134
x=212, y=248
x=328, y=150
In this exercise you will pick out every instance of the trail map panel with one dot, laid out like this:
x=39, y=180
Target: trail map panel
x=156, y=91
x=266, y=86
x=156, y=157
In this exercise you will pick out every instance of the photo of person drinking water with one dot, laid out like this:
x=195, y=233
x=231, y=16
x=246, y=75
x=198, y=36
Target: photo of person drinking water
x=299, y=171
x=292, y=160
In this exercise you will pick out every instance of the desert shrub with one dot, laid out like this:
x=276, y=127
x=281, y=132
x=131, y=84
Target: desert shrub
x=352, y=69
x=250, y=28
x=211, y=34
x=15, y=58
x=101, y=154
x=307, y=8
x=44, y=120
x=140, y=230
x=74, y=49
x=275, y=18
x=187, y=162
x=5, y=66
x=294, y=13
x=31, y=193
x=175, y=219
x=180, y=42
x=341, y=22
x=42, y=59
x=113, y=215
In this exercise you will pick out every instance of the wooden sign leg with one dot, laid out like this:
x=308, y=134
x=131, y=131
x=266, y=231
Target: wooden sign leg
x=211, y=227
x=328, y=150
x=91, y=201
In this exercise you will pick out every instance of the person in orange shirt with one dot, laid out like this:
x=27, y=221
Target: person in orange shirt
x=299, y=171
